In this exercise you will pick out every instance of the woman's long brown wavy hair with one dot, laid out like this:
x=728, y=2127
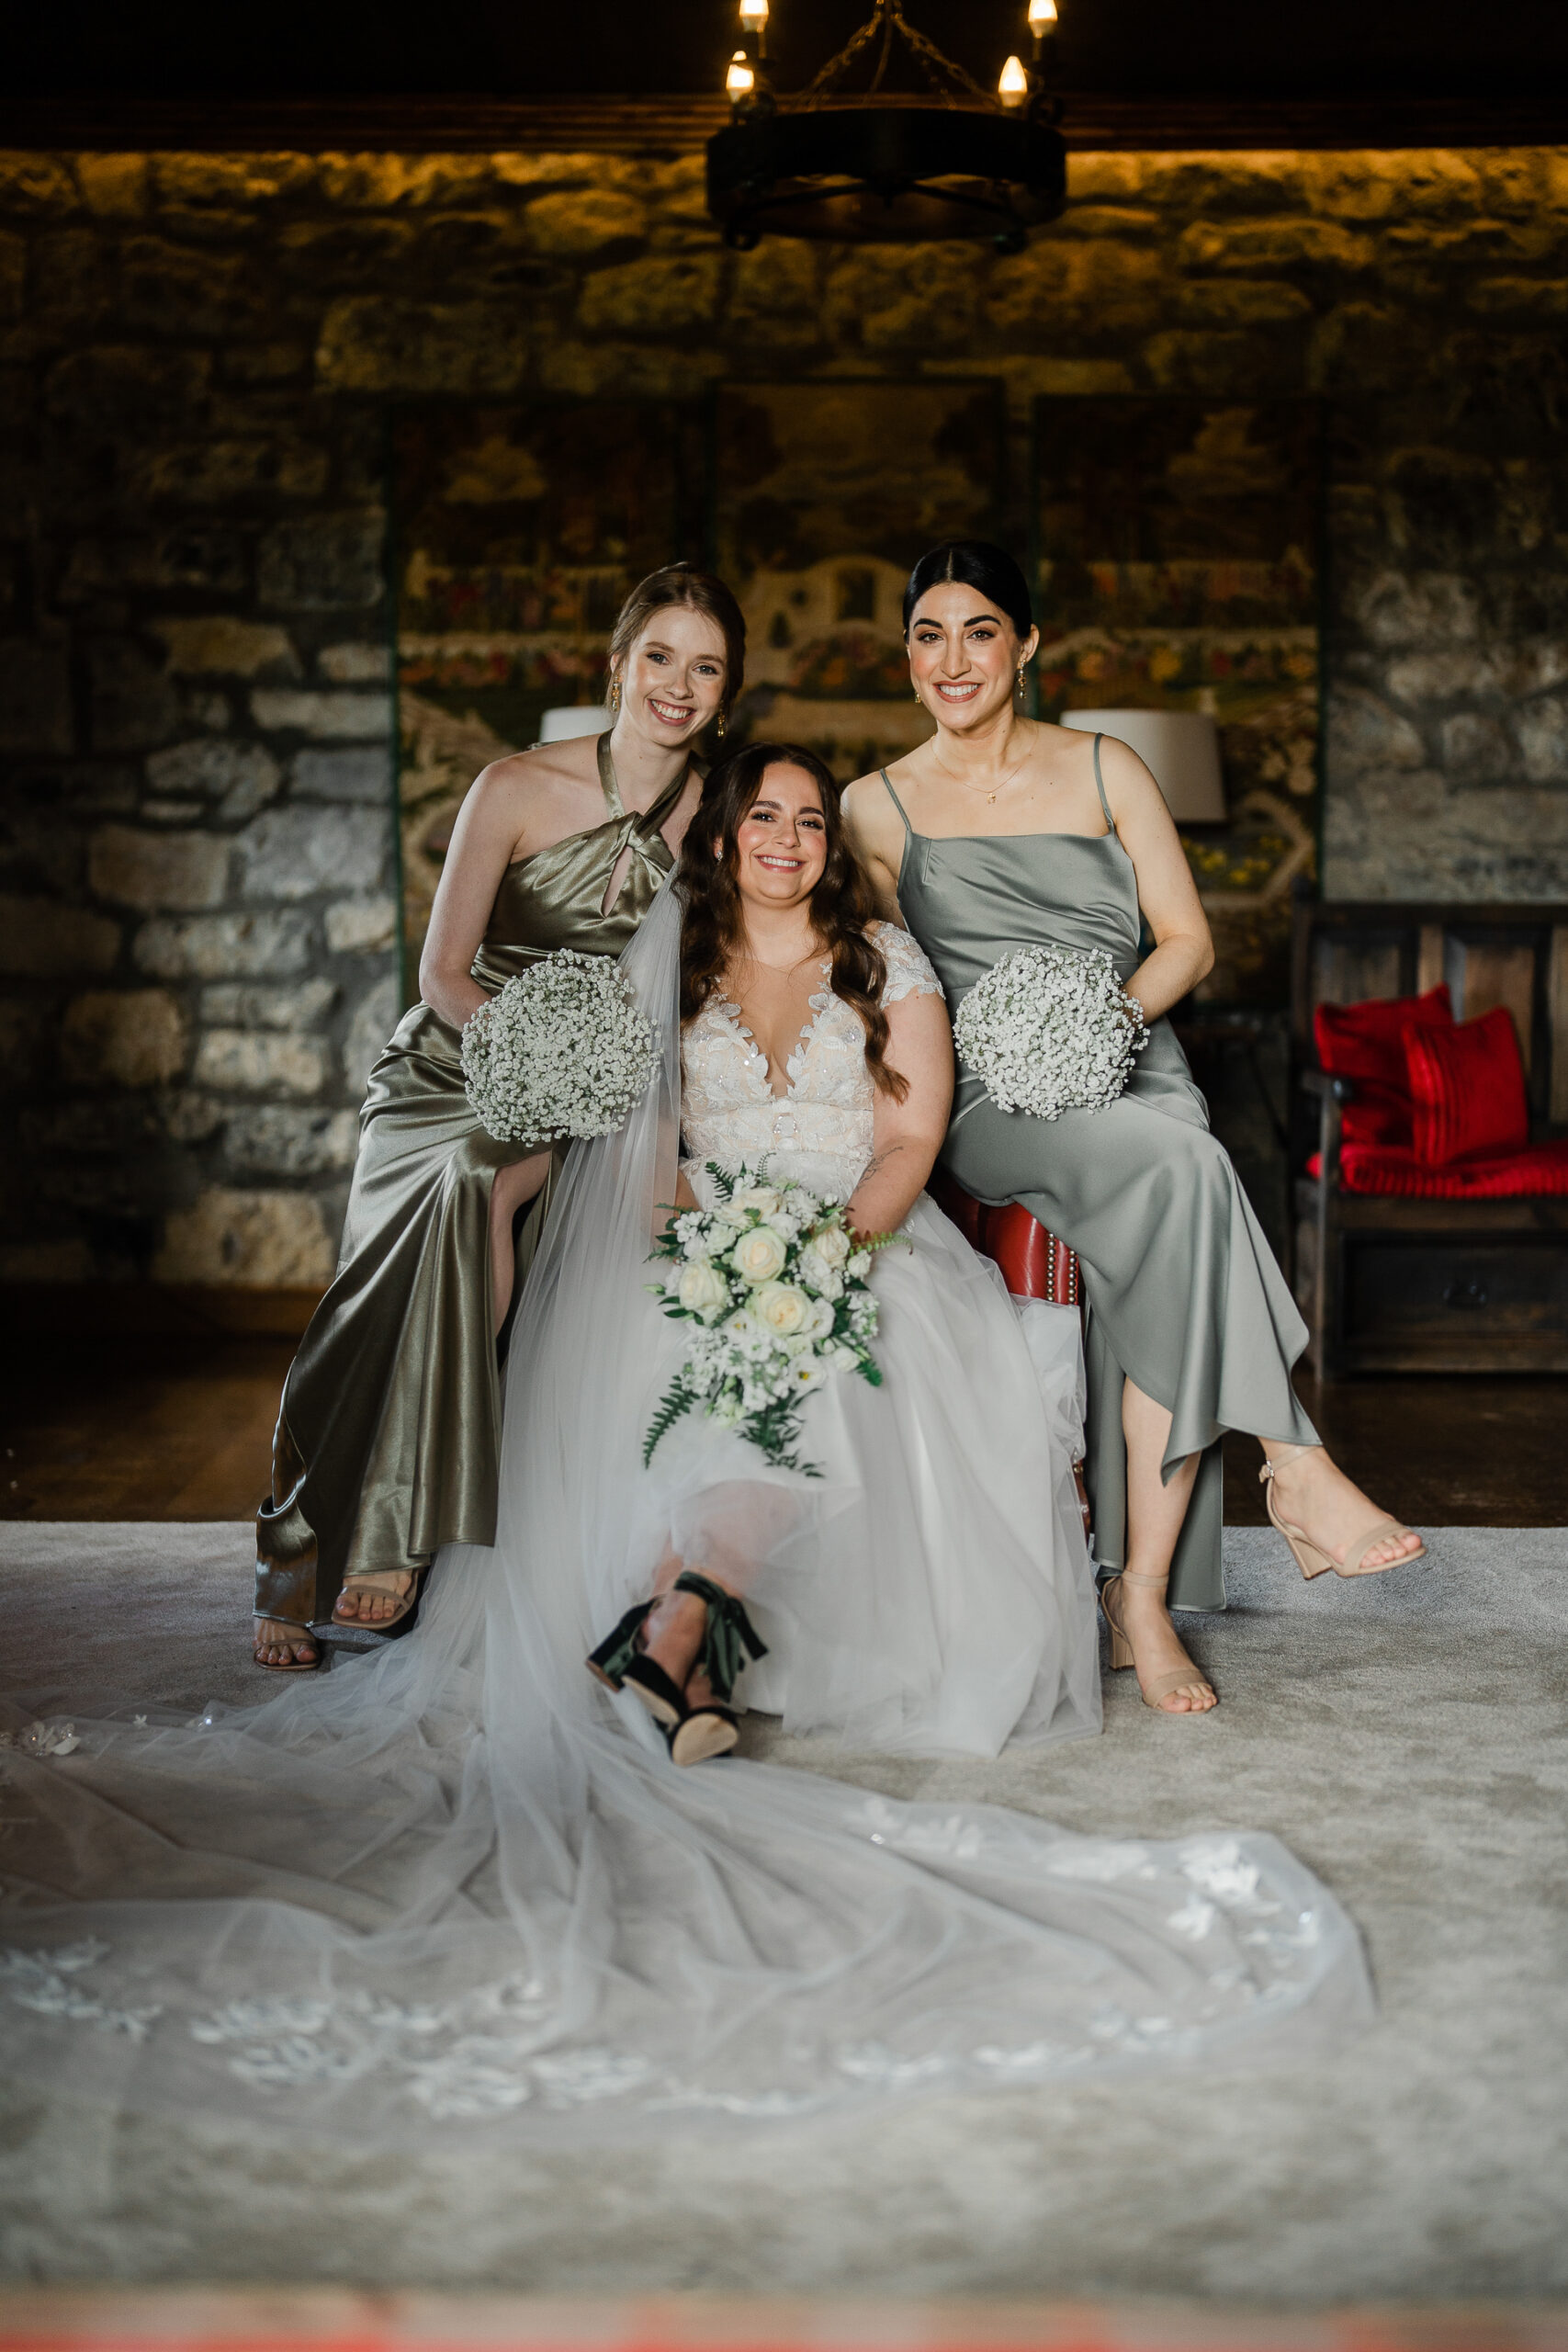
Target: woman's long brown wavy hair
x=714, y=924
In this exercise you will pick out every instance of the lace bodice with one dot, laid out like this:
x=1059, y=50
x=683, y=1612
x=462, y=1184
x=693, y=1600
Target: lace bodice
x=819, y=1130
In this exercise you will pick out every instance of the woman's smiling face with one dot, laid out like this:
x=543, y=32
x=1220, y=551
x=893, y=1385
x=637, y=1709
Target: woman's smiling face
x=963, y=655
x=781, y=843
x=673, y=680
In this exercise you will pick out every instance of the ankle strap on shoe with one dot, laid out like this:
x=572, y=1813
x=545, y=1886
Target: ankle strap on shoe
x=1130, y=1576
x=728, y=1635
x=1280, y=1460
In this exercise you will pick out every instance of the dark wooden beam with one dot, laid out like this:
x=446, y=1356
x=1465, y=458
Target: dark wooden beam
x=669, y=124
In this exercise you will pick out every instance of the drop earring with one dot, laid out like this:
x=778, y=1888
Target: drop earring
x=720, y=728
x=615, y=697
x=1019, y=688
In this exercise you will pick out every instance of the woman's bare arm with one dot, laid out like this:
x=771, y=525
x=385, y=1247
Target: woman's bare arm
x=1184, y=951
x=484, y=841
x=907, y=1135
x=877, y=838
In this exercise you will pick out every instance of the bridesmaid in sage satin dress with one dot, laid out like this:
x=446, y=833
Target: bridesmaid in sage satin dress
x=388, y=1436
x=1002, y=832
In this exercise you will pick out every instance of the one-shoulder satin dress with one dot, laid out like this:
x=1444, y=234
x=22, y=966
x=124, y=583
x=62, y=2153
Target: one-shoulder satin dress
x=1184, y=1294
x=388, y=1438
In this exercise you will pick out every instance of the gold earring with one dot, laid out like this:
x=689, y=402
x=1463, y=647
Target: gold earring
x=614, y=697
x=1020, y=677
x=722, y=723
x=916, y=694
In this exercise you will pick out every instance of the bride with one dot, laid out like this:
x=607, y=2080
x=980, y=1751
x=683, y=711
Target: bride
x=458, y=1886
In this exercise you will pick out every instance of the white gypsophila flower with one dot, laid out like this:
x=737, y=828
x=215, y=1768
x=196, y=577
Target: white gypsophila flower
x=563, y=1050
x=818, y=1275
x=1049, y=1030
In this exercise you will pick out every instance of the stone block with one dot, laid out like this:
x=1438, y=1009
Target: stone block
x=216, y=645
x=1089, y=291
x=1248, y=247
x=1442, y=676
x=374, y=1019
x=348, y=255
x=276, y=1139
x=222, y=473
x=166, y=290
x=1426, y=610
x=1361, y=347
x=658, y=297
x=132, y=706
x=265, y=363
x=213, y=561
x=1534, y=298
x=675, y=371
x=26, y=1040
x=1223, y=362
x=233, y=1005
x=362, y=776
x=362, y=926
x=583, y=221
x=42, y=940
x=1108, y=222
x=241, y=778
x=1540, y=729
x=250, y=1061
x=355, y=664
x=260, y=1240
x=157, y=870
x=35, y=695
x=35, y=183
x=1475, y=747
x=129, y=1037
x=192, y=1118
x=114, y=186
x=1183, y=187
x=240, y=183
x=1365, y=733
x=1413, y=835
x=405, y=183
x=127, y=392
x=283, y=711
x=773, y=292
x=324, y=563
x=372, y=343
x=292, y=852
x=890, y=296
x=218, y=947
x=1241, y=302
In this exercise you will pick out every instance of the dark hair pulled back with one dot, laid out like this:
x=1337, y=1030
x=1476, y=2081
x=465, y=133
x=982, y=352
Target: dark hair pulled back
x=977, y=564
x=714, y=918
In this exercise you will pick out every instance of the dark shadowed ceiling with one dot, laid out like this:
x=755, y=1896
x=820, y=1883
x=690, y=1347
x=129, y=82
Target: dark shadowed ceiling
x=1321, y=48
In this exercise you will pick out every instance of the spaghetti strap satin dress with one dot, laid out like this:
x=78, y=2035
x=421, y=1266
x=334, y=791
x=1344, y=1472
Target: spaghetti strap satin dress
x=388, y=1438
x=1184, y=1294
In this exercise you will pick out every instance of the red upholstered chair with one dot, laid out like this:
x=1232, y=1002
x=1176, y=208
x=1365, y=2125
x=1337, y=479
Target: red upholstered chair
x=1034, y=1263
x=1431, y=1174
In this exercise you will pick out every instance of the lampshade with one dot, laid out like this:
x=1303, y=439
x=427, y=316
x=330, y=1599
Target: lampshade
x=1179, y=748
x=567, y=719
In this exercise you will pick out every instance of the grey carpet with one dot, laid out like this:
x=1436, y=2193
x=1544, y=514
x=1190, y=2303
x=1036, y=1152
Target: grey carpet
x=1406, y=1734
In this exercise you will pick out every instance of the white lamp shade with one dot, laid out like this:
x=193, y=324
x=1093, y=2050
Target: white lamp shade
x=561, y=725
x=1179, y=748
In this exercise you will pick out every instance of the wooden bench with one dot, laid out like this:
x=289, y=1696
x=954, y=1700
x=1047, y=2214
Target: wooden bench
x=1394, y=1285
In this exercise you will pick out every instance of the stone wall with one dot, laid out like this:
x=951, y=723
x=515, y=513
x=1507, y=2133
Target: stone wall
x=198, y=354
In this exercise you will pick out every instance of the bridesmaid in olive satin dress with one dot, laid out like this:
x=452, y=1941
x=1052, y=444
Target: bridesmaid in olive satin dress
x=1001, y=833
x=388, y=1433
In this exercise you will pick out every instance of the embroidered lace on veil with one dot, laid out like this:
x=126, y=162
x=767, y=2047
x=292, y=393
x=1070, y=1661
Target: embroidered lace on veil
x=455, y=1887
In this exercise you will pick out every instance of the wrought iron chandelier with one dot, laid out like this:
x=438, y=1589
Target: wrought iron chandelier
x=878, y=164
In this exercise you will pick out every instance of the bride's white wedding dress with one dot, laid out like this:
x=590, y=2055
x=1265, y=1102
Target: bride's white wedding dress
x=456, y=1887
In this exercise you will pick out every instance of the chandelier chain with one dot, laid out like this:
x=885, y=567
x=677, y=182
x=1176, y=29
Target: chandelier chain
x=887, y=20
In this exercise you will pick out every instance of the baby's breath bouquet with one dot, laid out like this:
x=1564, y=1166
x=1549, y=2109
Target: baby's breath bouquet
x=772, y=1284
x=1049, y=1030
x=562, y=1050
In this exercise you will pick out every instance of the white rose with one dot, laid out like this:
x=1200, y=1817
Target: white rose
x=785, y=1310
x=702, y=1288
x=831, y=1244
x=758, y=1256
x=760, y=1198
x=822, y=1319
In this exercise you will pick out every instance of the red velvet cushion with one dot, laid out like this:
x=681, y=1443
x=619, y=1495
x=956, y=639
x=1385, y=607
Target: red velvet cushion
x=1366, y=1042
x=1467, y=1083
x=1541, y=1168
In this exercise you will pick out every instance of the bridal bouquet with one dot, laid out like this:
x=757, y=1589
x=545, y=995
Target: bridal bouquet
x=1049, y=1030
x=773, y=1287
x=562, y=1050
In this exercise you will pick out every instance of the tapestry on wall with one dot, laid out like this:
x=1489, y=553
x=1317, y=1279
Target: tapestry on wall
x=1178, y=544
x=825, y=494
x=519, y=532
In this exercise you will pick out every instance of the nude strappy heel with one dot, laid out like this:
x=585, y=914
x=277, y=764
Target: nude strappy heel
x=1310, y=1557
x=1182, y=1678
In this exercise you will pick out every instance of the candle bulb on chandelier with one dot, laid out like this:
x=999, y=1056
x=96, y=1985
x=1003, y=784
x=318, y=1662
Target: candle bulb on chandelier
x=741, y=80
x=754, y=23
x=1012, y=87
x=1041, y=20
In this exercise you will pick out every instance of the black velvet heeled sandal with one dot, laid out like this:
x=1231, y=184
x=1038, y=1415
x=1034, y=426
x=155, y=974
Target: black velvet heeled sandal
x=621, y=1662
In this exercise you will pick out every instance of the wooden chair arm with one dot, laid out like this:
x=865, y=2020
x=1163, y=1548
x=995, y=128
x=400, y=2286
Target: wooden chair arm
x=1324, y=1083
